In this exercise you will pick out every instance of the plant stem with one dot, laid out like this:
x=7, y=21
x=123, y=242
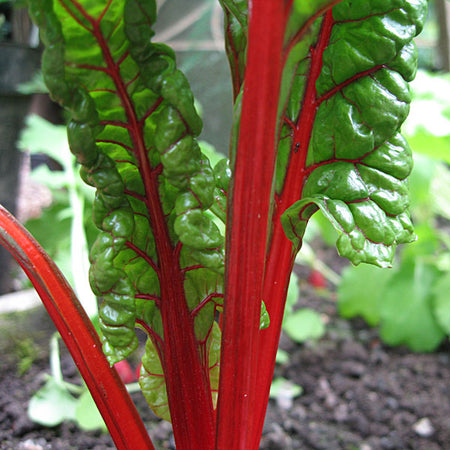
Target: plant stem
x=280, y=261
x=79, y=335
x=249, y=207
x=281, y=254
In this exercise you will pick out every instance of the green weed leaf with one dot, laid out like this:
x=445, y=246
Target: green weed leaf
x=361, y=292
x=406, y=314
x=87, y=415
x=303, y=325
x=52, y=404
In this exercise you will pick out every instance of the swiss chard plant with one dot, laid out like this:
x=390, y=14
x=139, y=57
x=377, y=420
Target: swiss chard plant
x=320, y=92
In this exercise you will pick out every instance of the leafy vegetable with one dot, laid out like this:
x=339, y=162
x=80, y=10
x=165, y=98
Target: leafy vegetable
x=361, y=96
x=133, y=128
x=344, y=96
x=320, y=93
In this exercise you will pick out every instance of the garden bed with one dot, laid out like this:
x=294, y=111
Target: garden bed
x=357, y=393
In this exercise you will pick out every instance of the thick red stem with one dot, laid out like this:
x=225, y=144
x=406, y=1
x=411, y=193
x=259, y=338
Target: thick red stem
x=281, y=254
x=280, y=261
x=188, y=390
x=80, y=337
x=249, y=206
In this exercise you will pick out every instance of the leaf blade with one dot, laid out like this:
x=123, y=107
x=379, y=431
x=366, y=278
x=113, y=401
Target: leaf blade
x=360, y=97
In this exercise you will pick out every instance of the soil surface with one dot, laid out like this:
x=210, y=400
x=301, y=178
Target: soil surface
x=357, y=393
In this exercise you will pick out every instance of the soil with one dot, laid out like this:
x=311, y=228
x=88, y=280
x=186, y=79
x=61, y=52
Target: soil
x=357, y=393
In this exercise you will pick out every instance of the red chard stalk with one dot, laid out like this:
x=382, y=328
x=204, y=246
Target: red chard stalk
x=79, y=335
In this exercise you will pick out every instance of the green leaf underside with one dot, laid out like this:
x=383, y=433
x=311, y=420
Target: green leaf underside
x=346, y=95
x=133, y=128
x=152, y=380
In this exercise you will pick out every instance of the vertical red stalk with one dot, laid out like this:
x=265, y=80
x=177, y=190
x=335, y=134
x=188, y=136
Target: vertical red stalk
x=280, y=258
x=80, y=337
x=280, y=261
x=249, y=208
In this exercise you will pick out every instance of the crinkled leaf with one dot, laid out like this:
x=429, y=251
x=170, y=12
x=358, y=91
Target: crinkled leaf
x=151, y=380
x=159, y=259
x=133, y=128
x=348, y=96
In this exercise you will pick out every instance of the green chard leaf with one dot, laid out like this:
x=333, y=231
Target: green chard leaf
x=236, y=23
x=133, y=128
x=152, y=379
x=345, y=96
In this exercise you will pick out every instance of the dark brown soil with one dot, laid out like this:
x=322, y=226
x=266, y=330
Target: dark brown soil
x=357, y=394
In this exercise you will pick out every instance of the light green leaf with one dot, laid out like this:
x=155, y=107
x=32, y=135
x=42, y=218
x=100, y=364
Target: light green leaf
x=152, y=382
x=282, y=357
x=283, y=387
x=264, y=321
x=407, y=315
x=292, y=294
x=303, y=325
x=430, y=145
x=52, y=404
x=441, y=302
x=41, y=136
x=87, y=414
x=361, y=292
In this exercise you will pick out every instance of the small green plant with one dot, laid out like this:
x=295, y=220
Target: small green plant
x=64, y=226
x=59, y=400
x=26, y=352
x=300, y=324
